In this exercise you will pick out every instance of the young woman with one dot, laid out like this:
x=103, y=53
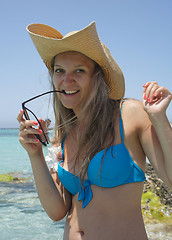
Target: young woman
x=104, y=140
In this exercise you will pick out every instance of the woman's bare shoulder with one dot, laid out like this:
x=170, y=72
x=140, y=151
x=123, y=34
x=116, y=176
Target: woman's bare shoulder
x=134, y=114
x=131, y=104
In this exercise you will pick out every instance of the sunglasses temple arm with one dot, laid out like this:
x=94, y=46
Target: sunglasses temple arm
x=53, y=91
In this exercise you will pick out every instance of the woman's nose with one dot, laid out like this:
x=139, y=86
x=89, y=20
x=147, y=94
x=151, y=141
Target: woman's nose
x=68, y=78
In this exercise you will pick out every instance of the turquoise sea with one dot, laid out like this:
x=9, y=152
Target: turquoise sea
x=21, y=214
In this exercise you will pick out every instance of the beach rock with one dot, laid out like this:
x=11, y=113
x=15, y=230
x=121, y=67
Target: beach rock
x=6, y=178
x=15, y=177
x=155, y=184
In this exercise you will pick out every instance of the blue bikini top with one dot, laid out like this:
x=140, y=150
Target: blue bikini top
x=117, y=168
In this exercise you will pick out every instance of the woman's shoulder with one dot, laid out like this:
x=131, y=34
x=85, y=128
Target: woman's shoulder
x=131, y=104
x=134, y=114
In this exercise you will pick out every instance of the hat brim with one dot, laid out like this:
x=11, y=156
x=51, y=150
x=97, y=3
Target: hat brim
x=49, y=43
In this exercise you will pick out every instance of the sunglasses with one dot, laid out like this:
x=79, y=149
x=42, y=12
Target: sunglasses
x=28, y=111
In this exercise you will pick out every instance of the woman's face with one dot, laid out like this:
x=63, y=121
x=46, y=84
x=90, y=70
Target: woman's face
x=73, y=74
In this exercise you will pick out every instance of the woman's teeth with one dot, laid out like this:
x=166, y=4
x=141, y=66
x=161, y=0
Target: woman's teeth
x=70, y=92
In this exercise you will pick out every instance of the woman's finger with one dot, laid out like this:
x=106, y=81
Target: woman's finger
x=31, y=131
x=149, y=89
x=147, y=84
x=20, y=116
x=152, y=91
x=161, y=91
x=27, y=124
x=28, y=139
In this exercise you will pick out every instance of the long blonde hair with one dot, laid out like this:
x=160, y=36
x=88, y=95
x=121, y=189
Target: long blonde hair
x=99, y=112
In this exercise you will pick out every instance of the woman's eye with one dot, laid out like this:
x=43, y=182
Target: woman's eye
x=80, y=70
x=58, y=70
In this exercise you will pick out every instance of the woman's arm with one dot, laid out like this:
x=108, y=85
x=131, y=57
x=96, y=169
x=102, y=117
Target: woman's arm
x=54, y=198
x=156, y=138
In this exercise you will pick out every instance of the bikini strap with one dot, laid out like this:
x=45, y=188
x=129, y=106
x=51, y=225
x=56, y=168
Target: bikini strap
x=121, y=124
x=63, y=146
x=63, y=140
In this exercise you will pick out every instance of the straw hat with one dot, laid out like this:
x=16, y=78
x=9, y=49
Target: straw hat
x=49, y=42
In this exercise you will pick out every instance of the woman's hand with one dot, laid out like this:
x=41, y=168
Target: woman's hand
x=155, y=99
x=27, y=136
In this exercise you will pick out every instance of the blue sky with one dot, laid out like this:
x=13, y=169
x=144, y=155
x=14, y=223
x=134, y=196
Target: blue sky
x=137, y=32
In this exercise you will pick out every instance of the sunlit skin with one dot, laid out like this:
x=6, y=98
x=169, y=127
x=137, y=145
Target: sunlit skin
x=73, y=73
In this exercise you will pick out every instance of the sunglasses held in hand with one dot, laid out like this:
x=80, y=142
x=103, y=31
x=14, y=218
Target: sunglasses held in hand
x=28, y=112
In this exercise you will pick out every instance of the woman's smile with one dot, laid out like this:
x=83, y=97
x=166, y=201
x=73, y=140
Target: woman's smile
x=70, y=92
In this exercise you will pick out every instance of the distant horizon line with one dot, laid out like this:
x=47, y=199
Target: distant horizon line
x=9, y=127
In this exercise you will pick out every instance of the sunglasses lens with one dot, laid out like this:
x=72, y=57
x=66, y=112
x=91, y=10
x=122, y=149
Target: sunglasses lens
x=41, y=111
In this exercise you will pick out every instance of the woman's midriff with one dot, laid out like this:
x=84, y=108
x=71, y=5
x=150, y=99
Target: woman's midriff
x=113, y=214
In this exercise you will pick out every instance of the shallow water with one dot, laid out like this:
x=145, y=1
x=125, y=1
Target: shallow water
x=21, y=214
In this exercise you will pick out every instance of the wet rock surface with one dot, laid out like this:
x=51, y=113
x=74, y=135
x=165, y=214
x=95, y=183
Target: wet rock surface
x=155, y=184
x=157, y=207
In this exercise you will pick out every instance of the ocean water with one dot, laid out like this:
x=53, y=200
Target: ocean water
x=21, y=214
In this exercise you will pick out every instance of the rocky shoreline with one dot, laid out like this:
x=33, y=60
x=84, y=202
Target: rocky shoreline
x=155, y=184
x=156, y=207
